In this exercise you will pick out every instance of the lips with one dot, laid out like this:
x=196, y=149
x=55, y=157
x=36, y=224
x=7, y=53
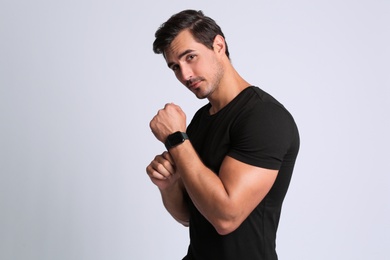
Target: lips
x=194, y=83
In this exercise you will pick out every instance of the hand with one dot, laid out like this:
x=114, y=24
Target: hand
x=168, y=120
x=162, y=171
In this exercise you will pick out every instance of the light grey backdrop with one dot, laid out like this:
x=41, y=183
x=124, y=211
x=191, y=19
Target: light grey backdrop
x=79, y=84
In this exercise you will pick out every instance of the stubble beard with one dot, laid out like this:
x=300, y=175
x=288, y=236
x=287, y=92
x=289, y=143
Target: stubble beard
x=214, y=84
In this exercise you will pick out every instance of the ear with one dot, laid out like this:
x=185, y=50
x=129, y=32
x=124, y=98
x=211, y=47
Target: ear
x=219, y=44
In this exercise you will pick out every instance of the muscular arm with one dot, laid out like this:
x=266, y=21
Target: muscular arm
x=163, y=174
x=173, y=199
x=225, y=200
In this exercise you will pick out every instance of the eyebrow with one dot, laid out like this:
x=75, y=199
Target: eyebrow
x=180, y=56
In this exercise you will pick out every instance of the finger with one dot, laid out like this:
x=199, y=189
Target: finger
x=166, y=161
x=166, y=169
x=168, y=104
x=157, y=175
x=162, y=166
x=167, y=156
x=152, y=173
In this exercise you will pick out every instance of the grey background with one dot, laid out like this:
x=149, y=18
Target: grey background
x=79, y=84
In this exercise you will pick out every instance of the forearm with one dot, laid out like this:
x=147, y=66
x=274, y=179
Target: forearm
x=174, y=202
x=205, y=188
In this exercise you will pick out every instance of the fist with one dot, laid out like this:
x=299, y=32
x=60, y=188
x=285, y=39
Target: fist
x=162, y=171
x=168, y=120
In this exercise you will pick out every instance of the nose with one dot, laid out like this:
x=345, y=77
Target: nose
x=186, y=72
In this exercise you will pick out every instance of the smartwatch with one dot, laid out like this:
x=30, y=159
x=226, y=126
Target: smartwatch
x=175, y=139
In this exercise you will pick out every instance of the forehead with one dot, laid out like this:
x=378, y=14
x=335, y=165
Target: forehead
x=183, y=42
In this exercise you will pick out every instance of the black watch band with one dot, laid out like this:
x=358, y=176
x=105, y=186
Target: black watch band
x=175, y=139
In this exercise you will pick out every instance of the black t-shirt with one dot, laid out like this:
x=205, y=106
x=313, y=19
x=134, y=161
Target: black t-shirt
x=256, y=129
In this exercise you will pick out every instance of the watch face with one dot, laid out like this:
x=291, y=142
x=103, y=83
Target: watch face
x=175, y=139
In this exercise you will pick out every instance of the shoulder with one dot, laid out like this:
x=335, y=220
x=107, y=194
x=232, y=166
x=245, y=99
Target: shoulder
x=263, y=129
x=258, y=108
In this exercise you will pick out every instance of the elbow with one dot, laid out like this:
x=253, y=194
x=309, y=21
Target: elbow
x=185, y=223
x=225, y=227
x=227, y=220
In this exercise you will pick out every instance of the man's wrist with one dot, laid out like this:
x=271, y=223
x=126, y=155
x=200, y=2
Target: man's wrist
x=175, y=139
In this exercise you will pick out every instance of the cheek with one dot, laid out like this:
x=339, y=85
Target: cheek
x=179, y=77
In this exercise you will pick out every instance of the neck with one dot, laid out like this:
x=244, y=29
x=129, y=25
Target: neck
x=230, y=86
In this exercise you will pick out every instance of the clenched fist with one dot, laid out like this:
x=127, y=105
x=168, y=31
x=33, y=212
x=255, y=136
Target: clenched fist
x=168, y=120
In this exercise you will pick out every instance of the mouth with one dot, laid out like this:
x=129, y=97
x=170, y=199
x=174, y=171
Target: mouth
x=193, y=83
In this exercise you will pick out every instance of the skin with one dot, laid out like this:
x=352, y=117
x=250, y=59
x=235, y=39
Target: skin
x=227, y=199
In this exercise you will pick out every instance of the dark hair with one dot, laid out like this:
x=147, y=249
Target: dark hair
x=203, y=29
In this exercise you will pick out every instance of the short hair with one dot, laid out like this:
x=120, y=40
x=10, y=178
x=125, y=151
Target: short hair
x=203, y=29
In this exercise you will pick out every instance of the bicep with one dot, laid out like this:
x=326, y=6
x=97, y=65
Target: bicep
x=246, y=185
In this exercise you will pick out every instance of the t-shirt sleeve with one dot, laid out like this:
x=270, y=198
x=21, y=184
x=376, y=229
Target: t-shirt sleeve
x=262, y=135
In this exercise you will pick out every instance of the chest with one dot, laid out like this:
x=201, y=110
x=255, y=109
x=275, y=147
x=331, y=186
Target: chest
x=211, y=138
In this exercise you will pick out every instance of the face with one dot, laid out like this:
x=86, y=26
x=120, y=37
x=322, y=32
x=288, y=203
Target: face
x=195, y=66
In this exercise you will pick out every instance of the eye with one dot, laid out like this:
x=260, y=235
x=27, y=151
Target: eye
x=175, y=67
x=191, y=57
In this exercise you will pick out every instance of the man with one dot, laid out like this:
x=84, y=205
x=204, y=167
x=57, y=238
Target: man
x=226, y=175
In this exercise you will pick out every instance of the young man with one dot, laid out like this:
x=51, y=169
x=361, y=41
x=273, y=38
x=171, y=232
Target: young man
x=226, y=175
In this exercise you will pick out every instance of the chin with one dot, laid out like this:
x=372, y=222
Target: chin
x=201, y=95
